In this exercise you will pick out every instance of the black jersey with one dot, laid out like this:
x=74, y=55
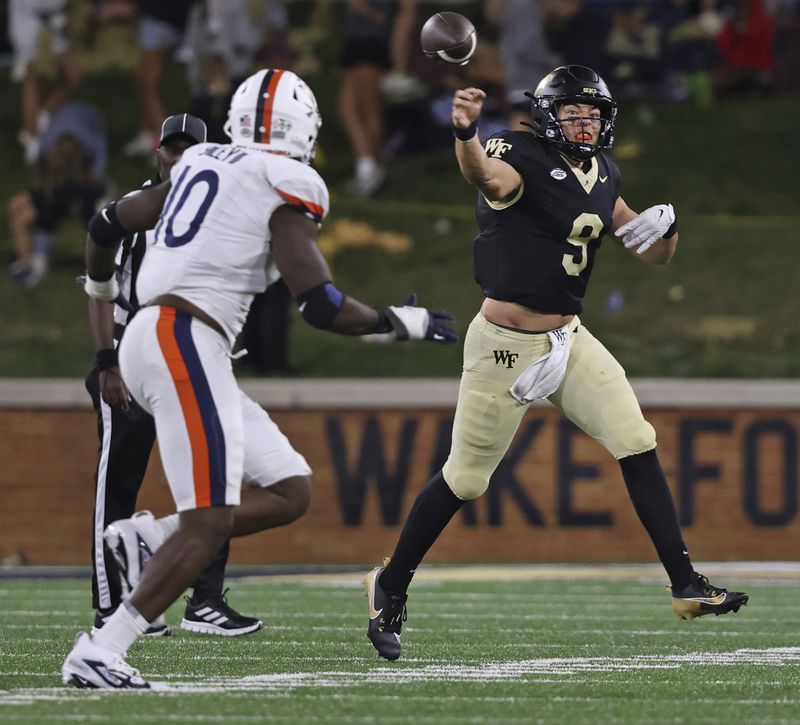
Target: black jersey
x=537, y=249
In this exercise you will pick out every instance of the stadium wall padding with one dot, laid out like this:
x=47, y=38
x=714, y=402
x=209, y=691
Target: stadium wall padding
x=557, y=497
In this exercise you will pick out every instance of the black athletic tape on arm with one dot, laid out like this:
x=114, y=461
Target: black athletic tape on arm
x=105, y=227
x=320, y=305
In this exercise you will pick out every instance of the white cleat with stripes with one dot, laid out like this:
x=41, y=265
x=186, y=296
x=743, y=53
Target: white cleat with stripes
x=133, y=542
x=90, y=666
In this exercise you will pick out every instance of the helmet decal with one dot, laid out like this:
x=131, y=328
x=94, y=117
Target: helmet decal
x=246, y=125
x=303, y=94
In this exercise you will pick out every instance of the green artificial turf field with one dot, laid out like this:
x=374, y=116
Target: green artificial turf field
x=563, y=649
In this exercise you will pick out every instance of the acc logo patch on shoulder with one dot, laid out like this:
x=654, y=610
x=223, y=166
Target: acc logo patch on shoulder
x=558, y=174
x=496, y=147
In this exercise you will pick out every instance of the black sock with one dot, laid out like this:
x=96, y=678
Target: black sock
x=209, y=583
x=651, y=497
x=436, y=504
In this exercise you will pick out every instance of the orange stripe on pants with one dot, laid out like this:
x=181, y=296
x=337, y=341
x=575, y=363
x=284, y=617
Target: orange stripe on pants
x=189, y=405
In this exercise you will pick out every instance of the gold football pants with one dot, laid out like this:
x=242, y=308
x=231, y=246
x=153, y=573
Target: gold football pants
x=595, y=395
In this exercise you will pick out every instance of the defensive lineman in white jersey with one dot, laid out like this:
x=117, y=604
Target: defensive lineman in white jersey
x=246, y=186
x=233, y=218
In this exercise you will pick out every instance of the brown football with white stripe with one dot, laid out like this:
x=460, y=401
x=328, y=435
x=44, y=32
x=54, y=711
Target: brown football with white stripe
x=449, y=37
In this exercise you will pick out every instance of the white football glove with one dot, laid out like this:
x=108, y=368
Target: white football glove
x=410, y=322
x=647, y=228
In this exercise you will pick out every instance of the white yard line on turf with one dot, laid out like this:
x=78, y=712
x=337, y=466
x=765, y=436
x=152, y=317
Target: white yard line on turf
x=531, y=670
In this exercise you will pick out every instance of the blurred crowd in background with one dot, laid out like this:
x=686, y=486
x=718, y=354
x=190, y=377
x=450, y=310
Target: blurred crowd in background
x=390, y=99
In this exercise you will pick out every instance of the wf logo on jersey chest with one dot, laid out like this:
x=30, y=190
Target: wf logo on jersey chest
x=505, y=357
x=496, y=147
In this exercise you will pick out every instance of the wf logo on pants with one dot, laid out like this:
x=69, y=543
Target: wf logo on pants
x=505, y=357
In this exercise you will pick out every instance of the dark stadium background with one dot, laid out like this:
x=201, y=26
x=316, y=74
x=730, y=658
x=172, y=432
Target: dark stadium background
x=725, y=307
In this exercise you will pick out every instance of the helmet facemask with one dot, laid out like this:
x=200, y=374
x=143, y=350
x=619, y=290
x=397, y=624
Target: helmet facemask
x=553, y=131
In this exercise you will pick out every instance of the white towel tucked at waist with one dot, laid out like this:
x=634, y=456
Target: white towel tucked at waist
x=543, y=377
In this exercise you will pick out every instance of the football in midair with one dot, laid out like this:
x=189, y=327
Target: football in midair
x=449, y=37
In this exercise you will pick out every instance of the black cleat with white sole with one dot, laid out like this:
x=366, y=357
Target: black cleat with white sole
x=215, y=616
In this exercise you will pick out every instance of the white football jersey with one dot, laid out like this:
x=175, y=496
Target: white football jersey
x=211, y=244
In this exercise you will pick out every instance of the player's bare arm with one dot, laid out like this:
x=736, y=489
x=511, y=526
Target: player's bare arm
x=135, y=213
x=303, y=268
x=495, y=179
x=641, y=233
x=101, y=322
x=309, y=279
x=140, y=212
x=622, y=214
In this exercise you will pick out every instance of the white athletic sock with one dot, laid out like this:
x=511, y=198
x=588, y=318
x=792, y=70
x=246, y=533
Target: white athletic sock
x=168, y=525
x=121, y=630
x=366, y=166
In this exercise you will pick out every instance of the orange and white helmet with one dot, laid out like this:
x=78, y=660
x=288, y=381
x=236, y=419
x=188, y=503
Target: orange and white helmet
x=274, y=110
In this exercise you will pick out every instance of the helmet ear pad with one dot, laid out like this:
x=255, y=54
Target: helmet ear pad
x=541, y=115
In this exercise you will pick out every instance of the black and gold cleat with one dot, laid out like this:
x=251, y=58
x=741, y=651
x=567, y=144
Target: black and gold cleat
x=387, y=612
x=701, y=597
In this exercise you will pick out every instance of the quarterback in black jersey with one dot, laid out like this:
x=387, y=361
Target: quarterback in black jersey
x=547, y=196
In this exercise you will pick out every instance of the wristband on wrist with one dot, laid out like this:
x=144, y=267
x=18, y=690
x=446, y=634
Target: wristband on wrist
x=673, y=229
x=106, y=359
x=106, y=290
x=466, y=134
